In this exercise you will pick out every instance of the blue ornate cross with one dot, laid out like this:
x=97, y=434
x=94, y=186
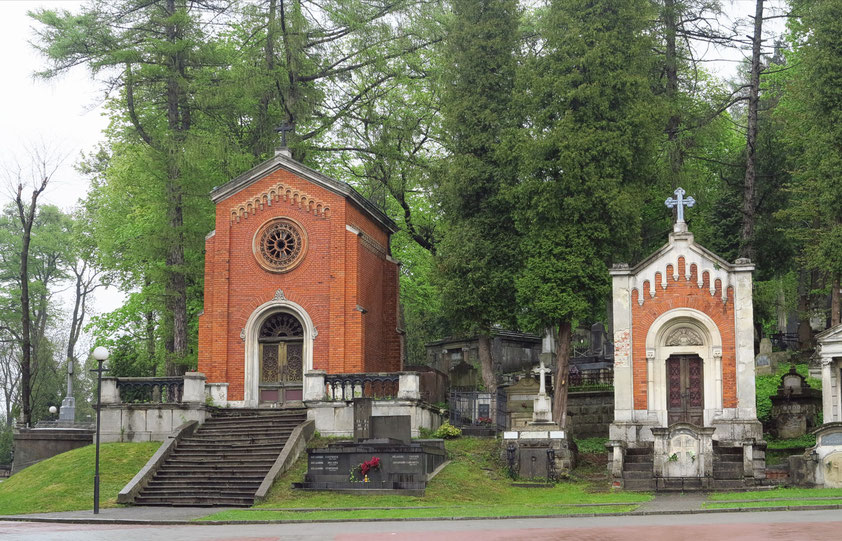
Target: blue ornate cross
x=680, y=202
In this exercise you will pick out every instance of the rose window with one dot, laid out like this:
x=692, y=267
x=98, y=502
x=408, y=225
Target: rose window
x=280, y=245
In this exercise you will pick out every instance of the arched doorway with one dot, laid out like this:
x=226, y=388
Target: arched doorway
x=281, y=355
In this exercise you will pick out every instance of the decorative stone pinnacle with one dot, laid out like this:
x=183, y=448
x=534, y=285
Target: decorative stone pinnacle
x=680, y=202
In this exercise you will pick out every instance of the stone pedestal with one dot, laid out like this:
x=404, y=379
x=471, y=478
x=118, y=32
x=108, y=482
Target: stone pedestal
x=542, y=410
x=683, y=450
x=539, y=451
x=67, y=413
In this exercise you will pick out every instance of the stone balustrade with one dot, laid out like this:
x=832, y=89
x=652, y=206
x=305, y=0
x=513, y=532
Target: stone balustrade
x=329, y=400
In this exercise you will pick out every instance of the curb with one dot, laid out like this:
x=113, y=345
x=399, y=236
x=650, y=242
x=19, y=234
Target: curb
x=24, y=518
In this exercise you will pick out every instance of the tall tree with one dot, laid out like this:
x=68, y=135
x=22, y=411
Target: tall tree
x=591, y=124
x=747, y=247
x=27, y=209
x=153, y=52
x=478, y=254
x=814, y=124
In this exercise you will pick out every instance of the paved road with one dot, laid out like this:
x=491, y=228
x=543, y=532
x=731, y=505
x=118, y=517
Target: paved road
x=772, y=526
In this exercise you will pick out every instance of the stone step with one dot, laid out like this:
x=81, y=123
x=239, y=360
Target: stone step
x=279, y=421
x=225, y=454
x=194, y=485
x=230, y=492
x=728, y=466
x=273, y=443
x=638, y=459
x=253, y=437
x=194, y=501
x=639, y=484
x=637, y=474
x=243, y=431
x=234, y=474
x=223, y=463
x=638, y=466
x=729, y=484
x=639, y=451
x=669, y=484
x=210, y=462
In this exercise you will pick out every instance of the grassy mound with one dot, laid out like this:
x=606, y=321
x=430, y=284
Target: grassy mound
x=475, y=483
x=65, y=482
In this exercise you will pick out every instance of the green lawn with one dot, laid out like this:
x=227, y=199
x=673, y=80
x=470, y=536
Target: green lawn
x=435, y=512
x=66, y=482
x=473, y=484
x=779, y=493
x=770, y=503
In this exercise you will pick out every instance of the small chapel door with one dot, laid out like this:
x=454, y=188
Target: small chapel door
x=685, y=390
x=281, y=356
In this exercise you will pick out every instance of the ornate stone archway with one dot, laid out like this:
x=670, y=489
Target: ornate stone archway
x=251, y=335
x=684, y=331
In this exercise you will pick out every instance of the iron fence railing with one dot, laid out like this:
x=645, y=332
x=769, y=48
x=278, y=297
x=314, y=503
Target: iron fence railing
x=150, y=390
x=591, y=380
x=471, y=408
x=350, y=386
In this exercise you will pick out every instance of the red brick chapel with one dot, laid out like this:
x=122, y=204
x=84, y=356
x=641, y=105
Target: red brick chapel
x=298, y=277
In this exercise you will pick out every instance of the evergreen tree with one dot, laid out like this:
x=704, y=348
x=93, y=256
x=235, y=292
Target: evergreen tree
x=478, y=254
x=588, y=146
x=815, y=143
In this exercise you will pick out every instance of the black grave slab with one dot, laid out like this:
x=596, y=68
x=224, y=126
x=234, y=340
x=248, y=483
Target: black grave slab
x=396, y=427
x=403, y=466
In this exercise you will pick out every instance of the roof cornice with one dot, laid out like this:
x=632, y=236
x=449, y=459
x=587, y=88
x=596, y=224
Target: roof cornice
x=279, y=161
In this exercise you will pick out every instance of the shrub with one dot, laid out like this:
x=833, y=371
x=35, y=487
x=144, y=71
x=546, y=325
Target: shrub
x=447, y=431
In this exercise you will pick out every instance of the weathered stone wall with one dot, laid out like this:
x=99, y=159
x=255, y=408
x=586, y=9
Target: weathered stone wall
x=32, y=445
x=590, y=413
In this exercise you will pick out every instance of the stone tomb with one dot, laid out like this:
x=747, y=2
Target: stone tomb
x=538, y=450
x=684, y=356
x=821, y=465
x=404, y=465
x=795, y=407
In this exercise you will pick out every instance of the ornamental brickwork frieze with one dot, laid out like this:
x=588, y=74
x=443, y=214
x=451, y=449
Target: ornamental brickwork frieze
x=276, y=194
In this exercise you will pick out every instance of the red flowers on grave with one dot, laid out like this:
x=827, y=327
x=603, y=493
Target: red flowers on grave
x=368, y=465
x=364, y=468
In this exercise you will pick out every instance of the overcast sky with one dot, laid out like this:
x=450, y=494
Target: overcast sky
x=65, y=114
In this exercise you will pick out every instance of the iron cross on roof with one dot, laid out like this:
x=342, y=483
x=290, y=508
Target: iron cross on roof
x=283, y=129
x=680, y=202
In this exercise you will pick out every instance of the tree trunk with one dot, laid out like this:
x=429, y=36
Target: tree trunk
x=486, y=363
x=676, y=156
x=747, y=230
x=26, y=217
x=263, y=135
x=178, y=120
x=834, y=302
x=562, y=371
x=805, y=333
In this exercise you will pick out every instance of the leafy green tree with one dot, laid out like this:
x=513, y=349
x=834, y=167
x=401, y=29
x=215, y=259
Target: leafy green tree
x=814, y=125
x=478, y=253
x=592, y=121
x=154, y=53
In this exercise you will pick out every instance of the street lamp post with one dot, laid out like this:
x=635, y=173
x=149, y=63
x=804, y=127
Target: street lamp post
x=100, y=354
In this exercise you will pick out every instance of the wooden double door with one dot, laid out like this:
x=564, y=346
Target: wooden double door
x=281, y=359
x=685, y=390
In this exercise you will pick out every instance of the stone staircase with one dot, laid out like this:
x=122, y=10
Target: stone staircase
x=728, y=467
x=224, y=462
x=637, y=469
x=727, y=472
